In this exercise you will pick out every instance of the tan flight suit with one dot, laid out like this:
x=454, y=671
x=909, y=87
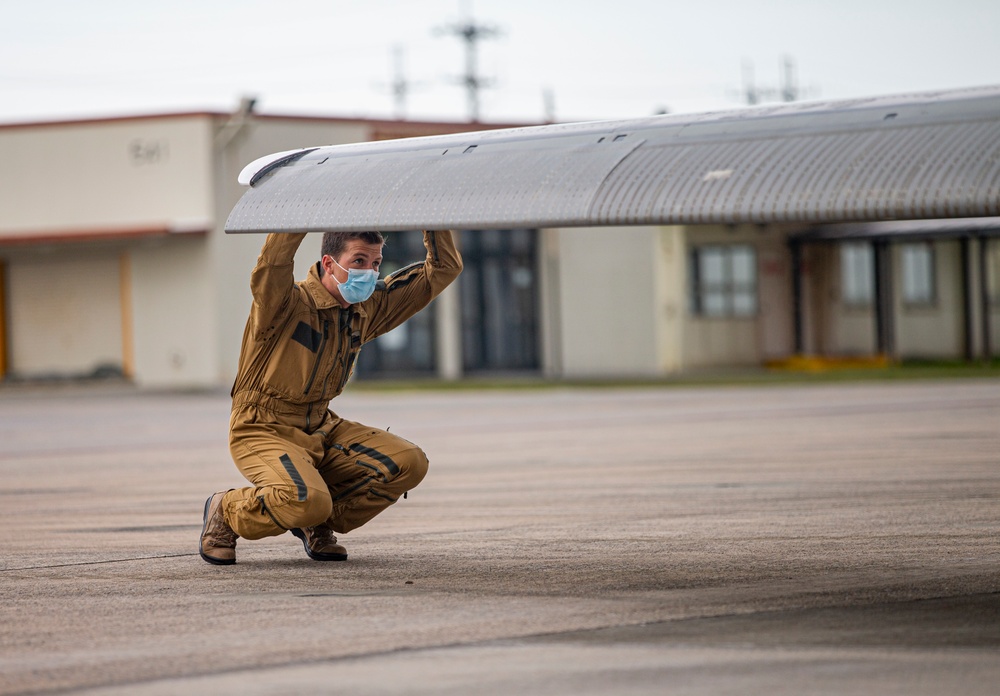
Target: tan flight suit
x=307, y=465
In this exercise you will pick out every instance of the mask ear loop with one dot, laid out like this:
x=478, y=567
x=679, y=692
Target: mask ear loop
x=348, y=272
x=330, y=272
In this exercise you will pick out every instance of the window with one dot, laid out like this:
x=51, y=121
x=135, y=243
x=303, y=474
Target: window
x=857, y=279
x=724, y=281
x=918, y=274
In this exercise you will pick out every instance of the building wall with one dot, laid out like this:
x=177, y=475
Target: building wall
x=852, y=331
x=734, y=341
x=936, y=330
x=65, y=313
x=608, y=318
x=670, y=292
x=776, y=315
x=923, y=331
x=175, y=324
x=550, y=301
x=77, y=203
x=638, y=277
x=105, y=175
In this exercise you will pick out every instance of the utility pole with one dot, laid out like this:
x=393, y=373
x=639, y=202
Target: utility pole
x=789, y=84
x=400, y=87
x=788, y=91
x=750, y=92
x=471, y=33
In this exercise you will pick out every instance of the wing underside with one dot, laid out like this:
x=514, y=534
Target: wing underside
x=913, y=157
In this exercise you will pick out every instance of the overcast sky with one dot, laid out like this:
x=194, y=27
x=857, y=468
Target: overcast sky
x=610, y=59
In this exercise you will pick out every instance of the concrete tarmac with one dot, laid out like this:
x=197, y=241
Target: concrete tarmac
x=817, y=539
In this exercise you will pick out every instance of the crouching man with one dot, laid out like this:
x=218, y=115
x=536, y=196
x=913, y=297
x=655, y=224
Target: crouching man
x=313, y=472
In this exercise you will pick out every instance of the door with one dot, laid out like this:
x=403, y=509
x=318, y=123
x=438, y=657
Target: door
x=499, y=301
x=64, y=315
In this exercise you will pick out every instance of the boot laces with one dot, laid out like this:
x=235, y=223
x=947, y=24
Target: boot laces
x=221, y=533
x=322, y=536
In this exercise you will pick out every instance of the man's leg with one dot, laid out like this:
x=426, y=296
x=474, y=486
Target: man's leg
x=367, y=470
x=288, y=491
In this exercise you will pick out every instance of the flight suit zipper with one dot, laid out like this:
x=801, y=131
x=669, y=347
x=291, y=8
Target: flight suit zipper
x=350, y=355
x=315, y=370
x=345, y=326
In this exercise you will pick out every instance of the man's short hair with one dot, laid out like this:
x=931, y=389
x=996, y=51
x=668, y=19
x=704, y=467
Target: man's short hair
x=334, y=243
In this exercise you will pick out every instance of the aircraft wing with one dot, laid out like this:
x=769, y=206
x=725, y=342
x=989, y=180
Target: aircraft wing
x=933, y=155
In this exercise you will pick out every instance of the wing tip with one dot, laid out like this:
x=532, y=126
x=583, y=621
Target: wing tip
x=252, y=173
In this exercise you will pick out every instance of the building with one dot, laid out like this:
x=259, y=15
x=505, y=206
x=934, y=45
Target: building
x=913, y=289
x=113, y=261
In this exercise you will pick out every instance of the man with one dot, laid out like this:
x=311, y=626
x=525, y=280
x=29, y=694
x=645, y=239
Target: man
x=314, y=473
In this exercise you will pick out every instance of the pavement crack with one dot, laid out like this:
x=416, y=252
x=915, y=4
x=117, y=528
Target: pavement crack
x=91, y=563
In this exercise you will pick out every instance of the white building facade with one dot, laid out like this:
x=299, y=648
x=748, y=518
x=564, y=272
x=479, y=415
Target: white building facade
x=113, y=261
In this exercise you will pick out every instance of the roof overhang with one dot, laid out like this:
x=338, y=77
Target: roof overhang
x=902, y=230
x=98, y=234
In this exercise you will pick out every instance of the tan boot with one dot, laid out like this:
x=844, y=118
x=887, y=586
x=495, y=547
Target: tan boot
x=320, y=543
x=218, y=541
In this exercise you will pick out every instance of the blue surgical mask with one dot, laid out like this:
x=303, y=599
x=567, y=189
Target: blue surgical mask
x=359, y=286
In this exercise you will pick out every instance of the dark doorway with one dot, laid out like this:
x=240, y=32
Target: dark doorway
x=499, y=298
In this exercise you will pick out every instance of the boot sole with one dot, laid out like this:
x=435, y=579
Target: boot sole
x=204, y=526
x=315, y=555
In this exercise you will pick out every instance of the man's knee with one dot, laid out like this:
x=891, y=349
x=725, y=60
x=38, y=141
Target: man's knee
x=295, y=507
x=413, y=466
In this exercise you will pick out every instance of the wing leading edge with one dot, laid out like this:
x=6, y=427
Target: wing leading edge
x=922, y=156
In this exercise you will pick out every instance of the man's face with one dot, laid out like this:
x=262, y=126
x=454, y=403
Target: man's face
x=356, y=255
